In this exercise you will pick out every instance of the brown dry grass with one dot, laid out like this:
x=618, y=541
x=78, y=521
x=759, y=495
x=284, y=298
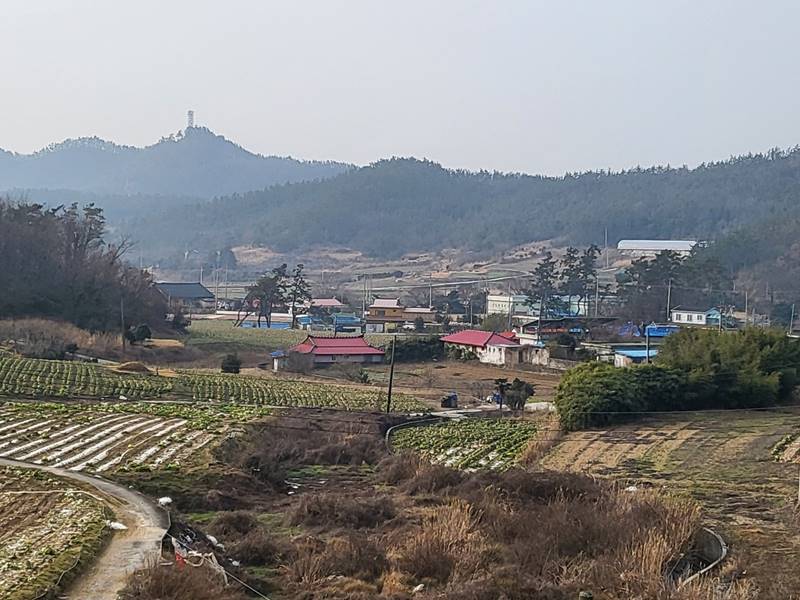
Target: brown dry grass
x=548, y=434
x=155, y=582
x=47, y=338
x=449, y=544
x=342, y=510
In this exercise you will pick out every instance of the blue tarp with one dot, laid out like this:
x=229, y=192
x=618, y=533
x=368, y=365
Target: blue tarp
x=637, y=354
x=254, y=325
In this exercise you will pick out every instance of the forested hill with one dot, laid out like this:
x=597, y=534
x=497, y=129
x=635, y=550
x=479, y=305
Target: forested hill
x=408, y=205
x=195, y=162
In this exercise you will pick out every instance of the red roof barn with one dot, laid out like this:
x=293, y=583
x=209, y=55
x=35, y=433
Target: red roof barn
x=327, y=350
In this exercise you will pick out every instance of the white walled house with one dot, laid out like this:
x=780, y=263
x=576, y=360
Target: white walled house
x=488, y=347
x=692, y=316
x=503, y=304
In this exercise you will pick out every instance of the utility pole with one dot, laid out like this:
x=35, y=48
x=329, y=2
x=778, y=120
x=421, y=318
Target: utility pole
x=225, y=286
x=596, y=295
x=364, y=298
x=391, y=378
x=745, y=308
x=216, y=283
x=122, y=319
x=201, y=274
x=669, y=298
x=605, y=243
x=539, y=321
x=647, y=344
x=791, y=321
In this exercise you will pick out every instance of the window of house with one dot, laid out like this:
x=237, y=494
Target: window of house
x=678, y=316
x=688, y=317
x=381, y=313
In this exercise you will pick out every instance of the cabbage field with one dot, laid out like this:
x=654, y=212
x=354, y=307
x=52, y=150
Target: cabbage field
x=59, y=378
x=45, y=527
x=468, y=444
x=28, y=377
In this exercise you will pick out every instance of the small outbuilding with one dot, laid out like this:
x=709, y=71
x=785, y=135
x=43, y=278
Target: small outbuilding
x=186, y=296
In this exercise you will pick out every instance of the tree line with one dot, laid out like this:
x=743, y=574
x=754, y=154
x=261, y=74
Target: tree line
x=56, y=262
x=695, y=369
x=378, y=209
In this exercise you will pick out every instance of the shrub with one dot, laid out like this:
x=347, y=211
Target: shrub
x=342, y=510
x=590, y=392
x=429, y=479
x=448, y=543
x=233, y=523
x=231, y=363
x=255, y=548
x=597, y=394
x=155, y=582
x=748, y=368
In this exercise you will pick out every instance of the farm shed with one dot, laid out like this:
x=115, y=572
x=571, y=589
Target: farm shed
x=333, y=350
x=649, y=248
x=628, y=357
x=186, y=296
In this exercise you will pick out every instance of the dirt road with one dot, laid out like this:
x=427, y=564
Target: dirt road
x=127, y=550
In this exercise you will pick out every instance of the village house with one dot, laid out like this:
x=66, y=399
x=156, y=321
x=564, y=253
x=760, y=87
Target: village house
x=412, y=313
x=329, y=305
x=187, y=297
x=389, y=314
x=521, y=310
x=488, y=347
x=696, y=316
x=322, y=351
x=502, y=304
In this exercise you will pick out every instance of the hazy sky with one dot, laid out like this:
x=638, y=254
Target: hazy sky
x=541, y=87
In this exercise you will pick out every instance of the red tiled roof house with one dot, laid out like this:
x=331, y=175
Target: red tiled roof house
x=487, y=346
x=334, y=350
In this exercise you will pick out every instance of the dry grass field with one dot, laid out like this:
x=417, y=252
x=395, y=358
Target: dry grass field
x=723, y=460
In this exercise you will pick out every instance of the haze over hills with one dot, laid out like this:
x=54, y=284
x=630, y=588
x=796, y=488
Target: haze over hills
x=161, y=197
x=195, y=162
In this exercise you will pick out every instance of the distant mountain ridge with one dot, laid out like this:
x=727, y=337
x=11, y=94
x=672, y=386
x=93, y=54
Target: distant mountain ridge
x=400, y=206
x=195, y=162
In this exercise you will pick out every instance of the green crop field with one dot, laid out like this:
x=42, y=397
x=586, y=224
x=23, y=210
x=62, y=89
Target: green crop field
x=468, y=443
x=223, y=335
x=26, y=377
x=57, y=378
x=283, y=392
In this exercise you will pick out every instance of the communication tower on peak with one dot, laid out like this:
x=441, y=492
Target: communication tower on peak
x=189, y=119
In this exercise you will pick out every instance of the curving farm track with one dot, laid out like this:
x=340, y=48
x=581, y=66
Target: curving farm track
x=127, y=550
